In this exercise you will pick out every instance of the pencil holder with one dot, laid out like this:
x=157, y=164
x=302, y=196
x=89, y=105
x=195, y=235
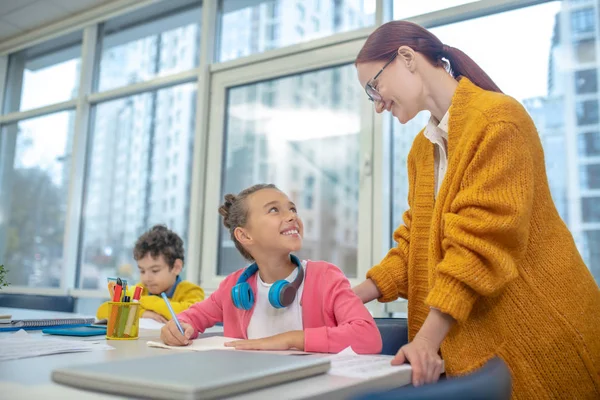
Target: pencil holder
x=123, y=320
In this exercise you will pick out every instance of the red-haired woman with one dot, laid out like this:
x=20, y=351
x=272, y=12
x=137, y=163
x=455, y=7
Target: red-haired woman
x=483, y=257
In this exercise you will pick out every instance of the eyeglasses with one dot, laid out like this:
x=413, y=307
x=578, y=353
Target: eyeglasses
x=372, y=93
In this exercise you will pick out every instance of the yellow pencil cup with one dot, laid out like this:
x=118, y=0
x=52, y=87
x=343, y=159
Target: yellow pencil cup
x=123, y=320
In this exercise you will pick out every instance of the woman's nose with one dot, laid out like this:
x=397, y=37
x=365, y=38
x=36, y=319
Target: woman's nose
x=379, y=107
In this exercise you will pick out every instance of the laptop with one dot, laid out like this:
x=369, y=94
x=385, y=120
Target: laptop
x=191, y=375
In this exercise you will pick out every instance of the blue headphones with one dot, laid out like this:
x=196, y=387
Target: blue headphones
x=281, y=294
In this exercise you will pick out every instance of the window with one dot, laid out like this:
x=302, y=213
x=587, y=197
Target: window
x=121, y=209
x=590, y=209
x=589, y=144
x=587, y=112
x=34, y=198
x=408, y=8
x=582, y=21
x=244, y=32
x=321, y=142
x=585, y=51
x=44, y=74
x=586, y=81
x=590, y=176
x=132, y=49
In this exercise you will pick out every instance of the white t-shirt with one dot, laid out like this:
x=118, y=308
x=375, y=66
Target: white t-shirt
x=267, y=320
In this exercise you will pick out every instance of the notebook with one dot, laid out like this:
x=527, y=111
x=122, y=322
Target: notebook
x=191, y=375
x=29, y=324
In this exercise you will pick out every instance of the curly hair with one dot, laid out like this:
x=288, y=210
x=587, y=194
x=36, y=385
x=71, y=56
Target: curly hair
x=160, y=240
x=235, y=213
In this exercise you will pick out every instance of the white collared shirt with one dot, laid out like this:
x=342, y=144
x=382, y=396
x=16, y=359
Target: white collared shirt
x=437, y=133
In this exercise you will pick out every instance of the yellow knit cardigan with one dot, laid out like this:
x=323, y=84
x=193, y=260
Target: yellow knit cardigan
x=493, y=252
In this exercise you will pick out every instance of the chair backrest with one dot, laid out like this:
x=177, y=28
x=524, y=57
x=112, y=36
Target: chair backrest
x=394, y=334
x=38, y=302
x=491, y=382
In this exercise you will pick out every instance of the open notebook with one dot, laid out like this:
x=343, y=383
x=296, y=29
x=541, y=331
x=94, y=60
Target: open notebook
x=28, y=324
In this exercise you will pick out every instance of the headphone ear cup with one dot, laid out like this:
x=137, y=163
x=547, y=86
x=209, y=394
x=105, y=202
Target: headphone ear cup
x=242, y=296
x=275, y=293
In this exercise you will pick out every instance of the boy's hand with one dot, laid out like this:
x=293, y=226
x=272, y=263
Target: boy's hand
x=170, y=335
x=154, y=316
x=283, y=341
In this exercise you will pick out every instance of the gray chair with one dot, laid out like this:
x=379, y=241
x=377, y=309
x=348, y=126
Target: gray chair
x=491, y=382
x=394, y=334
x=38, y=302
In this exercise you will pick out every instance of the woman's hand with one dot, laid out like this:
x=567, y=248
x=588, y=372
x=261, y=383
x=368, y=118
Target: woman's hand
x=424, y=359
x=283, y=341
x=170, y=334
x=367, y=291
x=154, y=316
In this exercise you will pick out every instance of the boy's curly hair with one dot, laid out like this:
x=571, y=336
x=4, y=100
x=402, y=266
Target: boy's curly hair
x=160, y=240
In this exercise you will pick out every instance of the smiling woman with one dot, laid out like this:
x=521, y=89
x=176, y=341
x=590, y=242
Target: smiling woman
x=473, y=249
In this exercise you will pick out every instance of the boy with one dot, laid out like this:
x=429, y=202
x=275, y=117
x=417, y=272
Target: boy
x=159, y=254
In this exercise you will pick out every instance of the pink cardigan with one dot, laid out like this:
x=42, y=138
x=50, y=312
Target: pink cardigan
x=332, y=315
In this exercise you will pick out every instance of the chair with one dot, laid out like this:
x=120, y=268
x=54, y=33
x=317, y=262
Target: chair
x=394, y=334
x=491, y=382
x=38, y=302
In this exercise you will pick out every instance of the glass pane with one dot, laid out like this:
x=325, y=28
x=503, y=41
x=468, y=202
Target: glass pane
x=590, y=209
x=141, y=51
x=561, y=96
x=409, y=8
x=254, y=26
x=138, y=175
x=44, y=74
x=308, y=145
x=589, y=144
x=586, y=81
x=590, y=176
x=34, y=198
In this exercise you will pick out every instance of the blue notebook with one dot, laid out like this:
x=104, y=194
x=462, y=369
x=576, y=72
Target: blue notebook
x=31, y=324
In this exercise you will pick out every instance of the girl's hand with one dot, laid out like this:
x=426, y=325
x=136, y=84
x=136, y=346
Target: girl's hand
x=170, y=334
x=283, y=341
x=154, y=316
x=424, y=359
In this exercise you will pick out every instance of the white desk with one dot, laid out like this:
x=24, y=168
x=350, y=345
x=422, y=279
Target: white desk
x=31, y=377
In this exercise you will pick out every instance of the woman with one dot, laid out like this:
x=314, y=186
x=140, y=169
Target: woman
x=483, y=257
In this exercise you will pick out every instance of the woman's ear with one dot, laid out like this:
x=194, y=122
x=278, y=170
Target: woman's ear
x=408, y=56
x=242, y=236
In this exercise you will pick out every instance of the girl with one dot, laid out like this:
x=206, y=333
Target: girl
x=278, y=303
x=487, y=264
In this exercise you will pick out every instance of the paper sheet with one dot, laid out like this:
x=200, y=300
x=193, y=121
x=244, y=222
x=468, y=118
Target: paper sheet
x=349, y=364
x=22, y=345
x=150, y=324
x=200, y=344
x=217, y=343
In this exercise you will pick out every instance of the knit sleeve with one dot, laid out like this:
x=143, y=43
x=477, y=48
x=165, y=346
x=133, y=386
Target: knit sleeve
x=391, y=274
x=487, y=228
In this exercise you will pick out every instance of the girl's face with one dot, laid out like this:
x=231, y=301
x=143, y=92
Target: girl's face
x=273, y=224
x=399, y=87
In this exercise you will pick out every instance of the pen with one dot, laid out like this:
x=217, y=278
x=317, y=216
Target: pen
x=166, y=299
